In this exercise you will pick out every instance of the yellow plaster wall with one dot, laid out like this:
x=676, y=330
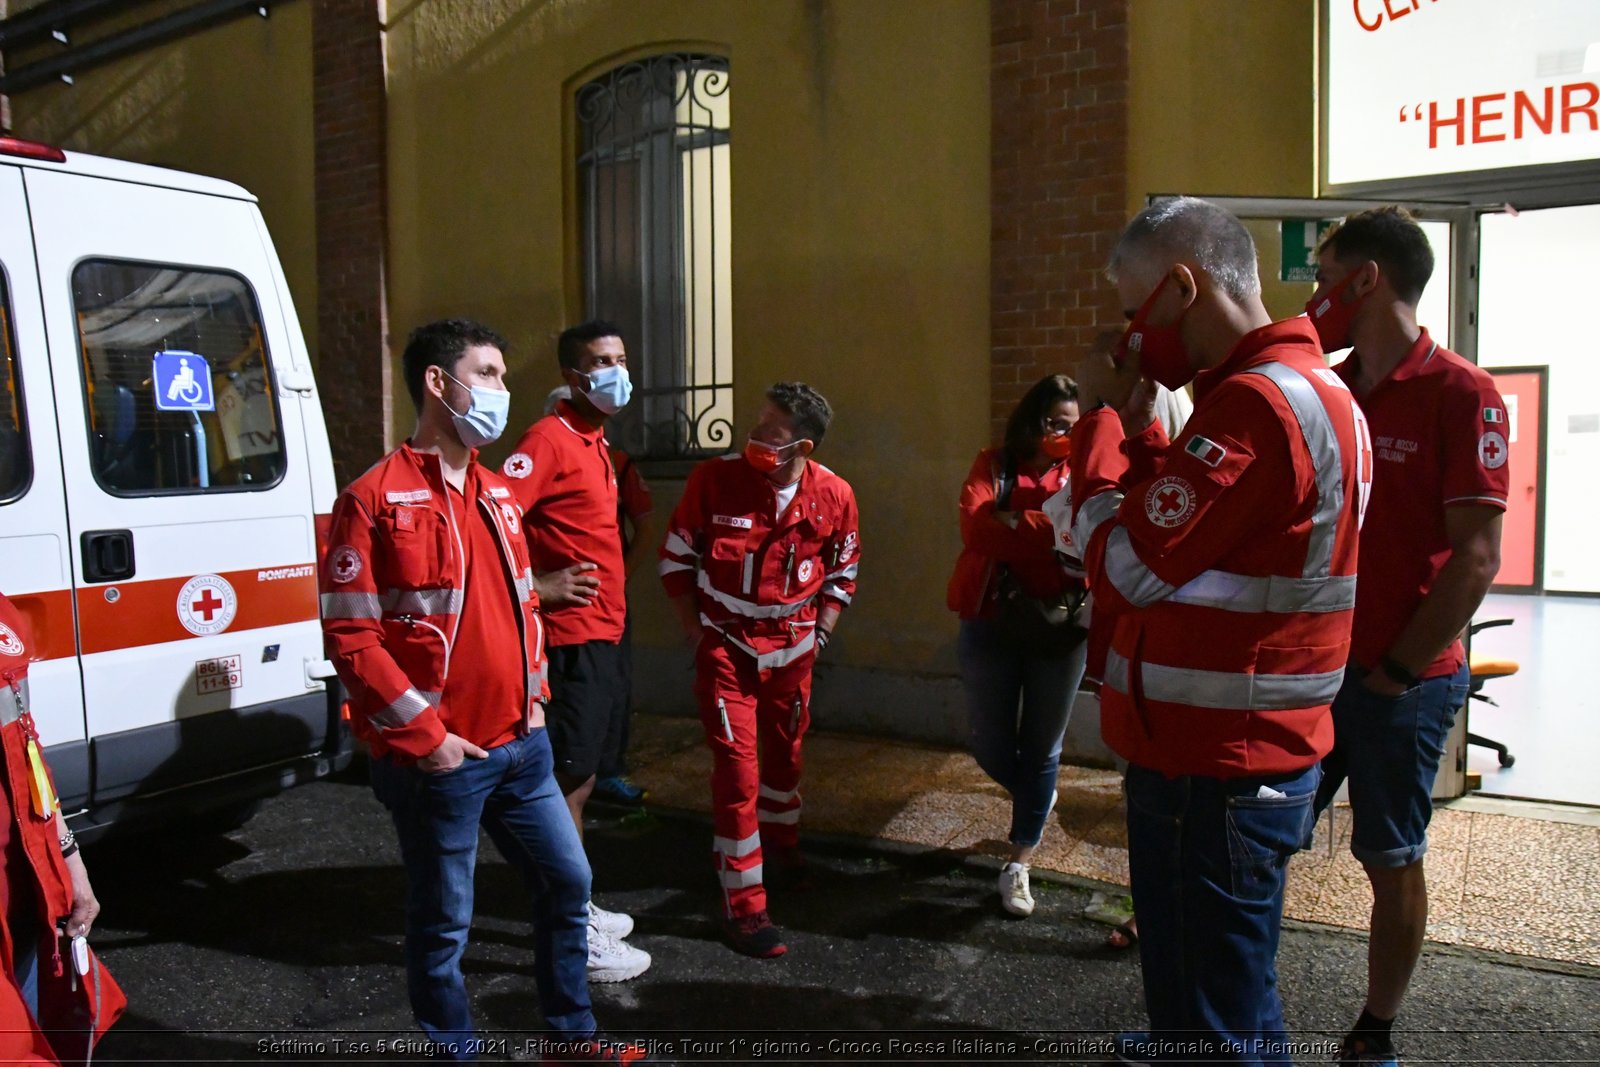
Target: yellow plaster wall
x=860, y=176
x=233, y=101
x=1222, y=101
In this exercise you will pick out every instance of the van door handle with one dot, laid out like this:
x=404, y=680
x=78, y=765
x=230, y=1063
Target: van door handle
x=107, y=555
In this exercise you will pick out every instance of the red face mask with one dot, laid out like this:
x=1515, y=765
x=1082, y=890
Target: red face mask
x=764, y=457
x=1331, y=317
x=1162, y=355
x=1056, y=446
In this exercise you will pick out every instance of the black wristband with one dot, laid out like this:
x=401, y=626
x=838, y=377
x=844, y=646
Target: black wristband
x=1397, y=672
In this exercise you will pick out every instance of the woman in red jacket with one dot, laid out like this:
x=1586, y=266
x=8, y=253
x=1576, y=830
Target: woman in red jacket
x=1019, y=679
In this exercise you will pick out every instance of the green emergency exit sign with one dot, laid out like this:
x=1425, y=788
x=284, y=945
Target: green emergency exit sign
x=1299, y=239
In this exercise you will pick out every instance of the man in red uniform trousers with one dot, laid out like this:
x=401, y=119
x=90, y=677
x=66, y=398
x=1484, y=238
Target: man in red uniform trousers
x=1429, y=551
x=59, y=998
x=760, y=559
x=1223, y=570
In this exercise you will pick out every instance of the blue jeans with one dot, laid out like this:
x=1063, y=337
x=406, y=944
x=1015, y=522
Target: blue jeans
x=1208, y=858
x=1017, y=710
x=513, y=794
x=1389, y=748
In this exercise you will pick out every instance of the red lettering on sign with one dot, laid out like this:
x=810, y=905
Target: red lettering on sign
x=1388, y=5
x=1587, y=108
x=1530, y=114
x=1370, y=27
x=1435, y=122
x=1524, y=106
x=1480, y=116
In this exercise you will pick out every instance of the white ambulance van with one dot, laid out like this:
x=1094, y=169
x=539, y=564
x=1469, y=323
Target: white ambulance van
x=164, y=469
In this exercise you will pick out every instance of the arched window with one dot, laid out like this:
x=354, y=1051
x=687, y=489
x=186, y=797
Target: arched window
x=654, y=183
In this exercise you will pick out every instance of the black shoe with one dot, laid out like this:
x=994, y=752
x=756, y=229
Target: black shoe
x=1364, y=1050
x=754, y=935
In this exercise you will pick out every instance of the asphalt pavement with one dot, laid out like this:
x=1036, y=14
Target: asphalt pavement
x=280, y=942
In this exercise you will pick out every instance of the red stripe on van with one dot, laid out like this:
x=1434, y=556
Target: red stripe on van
x=147, y=613
x=49, y=616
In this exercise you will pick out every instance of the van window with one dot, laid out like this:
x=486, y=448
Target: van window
x=16, y=462
x=179, y=387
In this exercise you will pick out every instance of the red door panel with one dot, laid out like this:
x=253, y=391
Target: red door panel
x=1523, y=391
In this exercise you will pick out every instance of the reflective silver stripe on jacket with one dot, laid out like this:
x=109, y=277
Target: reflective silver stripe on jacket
x=845, y=573
x=783, y=818
x=423, y=601
x=748, y=608
x=768, y=793
x=741, y=879
x=1137, y=583
x=735, y=849
x=1276, y=594
x=1095, y=511
x=667, y=566
x=1323, y=443
x=525, y=586
x=677, y=546
x=1223, y=689
x=10, y=708
x=837, y=593
x=767, y=661
x=406, y=707
x=346, y=605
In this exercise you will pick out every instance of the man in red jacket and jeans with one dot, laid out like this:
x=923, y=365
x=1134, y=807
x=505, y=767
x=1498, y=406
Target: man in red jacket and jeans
x=1223, y=569
x=432, y=621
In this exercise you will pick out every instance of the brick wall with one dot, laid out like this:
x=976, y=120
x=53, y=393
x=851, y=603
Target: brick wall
x=354, y=369
x=1059, y=94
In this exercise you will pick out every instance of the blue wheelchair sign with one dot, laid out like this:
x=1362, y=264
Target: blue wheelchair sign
x=182, y=382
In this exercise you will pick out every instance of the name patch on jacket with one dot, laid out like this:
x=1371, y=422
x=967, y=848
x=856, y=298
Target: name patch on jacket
x=499, y=492
x=738, y=522
x=409, y=496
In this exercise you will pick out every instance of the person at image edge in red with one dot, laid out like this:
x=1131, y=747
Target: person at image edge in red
x=760, y=559
x=1429, y=552
x=48, y=1012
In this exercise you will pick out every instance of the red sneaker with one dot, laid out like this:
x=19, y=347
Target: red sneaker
x=754, y=935
x=594, y=1049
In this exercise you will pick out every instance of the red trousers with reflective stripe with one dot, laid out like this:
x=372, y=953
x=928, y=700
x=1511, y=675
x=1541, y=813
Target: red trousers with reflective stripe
x=753, y=721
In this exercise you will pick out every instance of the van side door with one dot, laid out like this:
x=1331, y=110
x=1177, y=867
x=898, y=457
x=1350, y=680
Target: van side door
x=35, y=556
x=187, y=483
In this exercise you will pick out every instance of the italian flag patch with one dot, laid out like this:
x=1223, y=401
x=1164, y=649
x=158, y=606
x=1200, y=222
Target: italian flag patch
x=1205, y=450
x=1493, y=415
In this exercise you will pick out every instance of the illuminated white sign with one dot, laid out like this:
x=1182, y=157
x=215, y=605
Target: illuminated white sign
x=1421, y=87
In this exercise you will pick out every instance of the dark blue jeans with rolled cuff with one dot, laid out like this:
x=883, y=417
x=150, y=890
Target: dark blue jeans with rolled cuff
x=1208, y=859
x=1018, y=705
x=514, y=796
x=1389, y=748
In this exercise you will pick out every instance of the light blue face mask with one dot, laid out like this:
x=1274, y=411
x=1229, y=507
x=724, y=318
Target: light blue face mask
x=485, y=417
x=610, y=389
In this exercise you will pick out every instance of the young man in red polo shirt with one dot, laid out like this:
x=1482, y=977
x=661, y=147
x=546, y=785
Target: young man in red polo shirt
x=562, y=475
x=1429, y=551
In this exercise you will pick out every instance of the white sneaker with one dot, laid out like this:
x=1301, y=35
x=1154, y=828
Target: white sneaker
x=614, y=923
x=1014, y=895
x=611, y=960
